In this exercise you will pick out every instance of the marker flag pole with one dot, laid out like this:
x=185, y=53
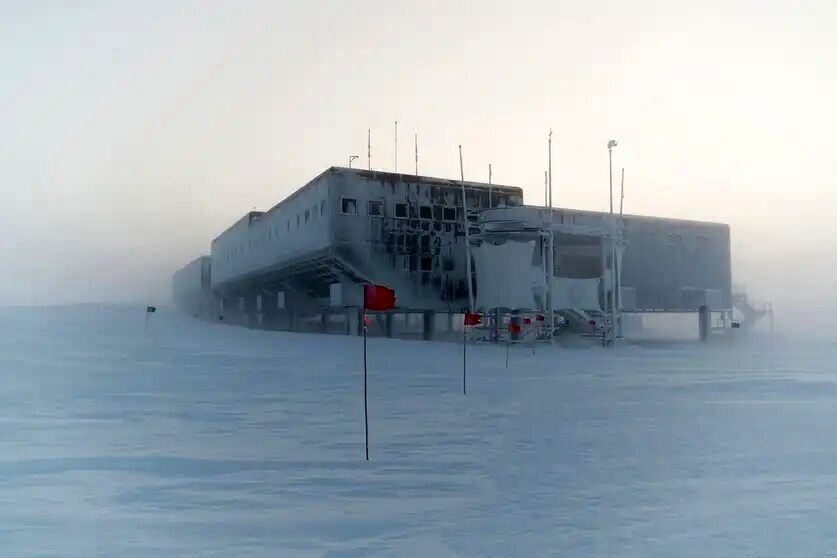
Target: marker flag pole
x=470, y=320
x=464, y=358
x=365, y=391
x=378, y=298
x=148, y=311
x=508, y=342
x=513, y=328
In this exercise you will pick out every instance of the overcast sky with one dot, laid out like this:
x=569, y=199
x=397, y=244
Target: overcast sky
x=135, y=132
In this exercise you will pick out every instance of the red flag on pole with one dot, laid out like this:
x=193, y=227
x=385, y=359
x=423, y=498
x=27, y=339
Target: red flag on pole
x=539, y=318
x=472, y=319
x=527, y=321
x=514, y=328
x=378, y=297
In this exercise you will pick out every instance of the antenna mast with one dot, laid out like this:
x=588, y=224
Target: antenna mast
x=416, y=154
x=622, y=195
x=489, y=186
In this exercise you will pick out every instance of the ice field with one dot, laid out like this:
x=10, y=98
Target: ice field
x=207, y=440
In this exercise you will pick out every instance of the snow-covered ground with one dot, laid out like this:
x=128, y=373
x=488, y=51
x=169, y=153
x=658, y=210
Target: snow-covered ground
x=209, y=440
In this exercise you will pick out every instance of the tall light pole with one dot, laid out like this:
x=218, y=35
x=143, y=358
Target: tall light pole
x=614, y=273
x=351, y=158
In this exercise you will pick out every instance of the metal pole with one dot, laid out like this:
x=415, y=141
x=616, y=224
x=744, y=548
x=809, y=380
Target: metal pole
x=467, y=234
x=614, y=281
x=622, y=195
x=545, y=189
x=551, y=268
x=464, y=349
x=365, y=404
x=489, y=185
x=508, y=344
x=610, y=172
x=369, y=148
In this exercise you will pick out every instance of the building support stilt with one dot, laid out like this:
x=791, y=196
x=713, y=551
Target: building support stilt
x=704, y=322
x=428, y=325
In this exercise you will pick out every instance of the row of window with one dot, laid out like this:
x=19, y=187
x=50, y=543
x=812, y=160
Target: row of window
x=348, y=206
x=309, y=215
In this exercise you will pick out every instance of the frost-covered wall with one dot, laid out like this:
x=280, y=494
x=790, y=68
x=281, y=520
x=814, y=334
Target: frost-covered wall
x=191, y=286
x=664, y=264
x=259, y=241
x=404, y=231
x=409, y=232
x=676, y=264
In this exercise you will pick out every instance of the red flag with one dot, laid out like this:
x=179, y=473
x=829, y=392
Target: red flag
x=472, y=319
x=514, y=328
x=527, y=321
x=367, y=320
x=378, y=297
x=539, y=318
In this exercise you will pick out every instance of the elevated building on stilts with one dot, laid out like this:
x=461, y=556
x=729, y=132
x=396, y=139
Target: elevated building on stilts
x=300, y=265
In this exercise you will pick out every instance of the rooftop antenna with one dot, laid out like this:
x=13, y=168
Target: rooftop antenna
x=351, y=158
x=396, y=146
x=489, y=185
x=622, y=196
x=545, y=189
x=416, y=154
x=467, y=235
x=369, y=148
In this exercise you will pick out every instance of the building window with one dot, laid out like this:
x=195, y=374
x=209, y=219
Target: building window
x=401, y=211
x=376, y=208
x=425, y=212
x=450, y=214
x=289, y=225
x=348, y=206
x=297, y=220
x=426, y=263
x=307, y=214
x=322, y=207
x=438, y=212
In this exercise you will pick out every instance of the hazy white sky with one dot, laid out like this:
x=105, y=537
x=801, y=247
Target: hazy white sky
x=134, y=132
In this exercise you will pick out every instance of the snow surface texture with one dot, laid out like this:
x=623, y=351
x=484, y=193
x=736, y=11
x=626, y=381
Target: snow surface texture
x=210, y=440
